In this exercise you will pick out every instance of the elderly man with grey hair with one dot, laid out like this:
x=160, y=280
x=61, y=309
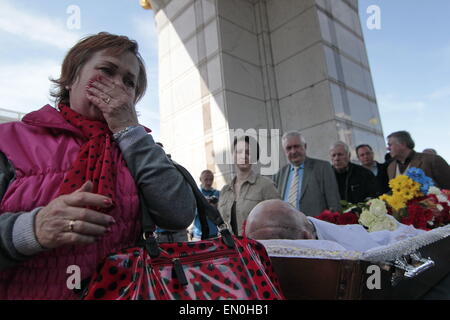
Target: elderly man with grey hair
x=355, y=182
x=401, y=146
x=306, y=183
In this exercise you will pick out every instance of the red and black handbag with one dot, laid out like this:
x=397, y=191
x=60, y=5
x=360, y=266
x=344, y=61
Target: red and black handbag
x=226, y=267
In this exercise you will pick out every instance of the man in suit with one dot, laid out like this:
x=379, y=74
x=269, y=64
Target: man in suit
x=308, y=184
x=356, y=183
x=365, y=155
x=401, y=146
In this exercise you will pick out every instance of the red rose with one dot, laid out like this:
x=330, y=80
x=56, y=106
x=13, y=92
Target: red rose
x=433, y=198
x=409, y=219
x=445, y=213
x=418, y=216
x=328, y=216
x=347, y=218
x=441, y=218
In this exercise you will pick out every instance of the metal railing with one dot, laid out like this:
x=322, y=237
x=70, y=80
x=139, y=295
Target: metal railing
x=10, y=115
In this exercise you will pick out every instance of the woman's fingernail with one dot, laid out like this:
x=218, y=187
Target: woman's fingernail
x=107, y=202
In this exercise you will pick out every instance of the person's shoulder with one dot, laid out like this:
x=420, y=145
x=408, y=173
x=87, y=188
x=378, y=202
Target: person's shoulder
x=225, y=188
x=423, y=156
x=8, y=126
x=431, y=159
x=427, y=156
x=381, y=165
x=317, y=163
x=391, y=163
x=283, y=169
x=264, y=180
x=360, y=169
x=215, y=193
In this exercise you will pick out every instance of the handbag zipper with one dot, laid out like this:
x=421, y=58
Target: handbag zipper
x=178, y=266
x=179, y=272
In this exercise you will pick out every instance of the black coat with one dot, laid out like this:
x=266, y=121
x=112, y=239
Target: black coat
x=382, y=178
x=357, y=184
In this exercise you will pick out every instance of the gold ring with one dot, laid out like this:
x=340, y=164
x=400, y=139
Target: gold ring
x=71, y=223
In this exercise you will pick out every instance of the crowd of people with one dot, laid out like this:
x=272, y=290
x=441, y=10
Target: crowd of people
x=312, y=185
x=72, y=178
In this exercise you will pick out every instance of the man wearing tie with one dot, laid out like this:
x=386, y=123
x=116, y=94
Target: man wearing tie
x=306, y=183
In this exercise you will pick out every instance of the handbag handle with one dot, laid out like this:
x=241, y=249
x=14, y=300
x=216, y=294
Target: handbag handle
x=204, y=208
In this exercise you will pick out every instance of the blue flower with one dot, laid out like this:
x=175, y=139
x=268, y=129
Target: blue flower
x=418, y=175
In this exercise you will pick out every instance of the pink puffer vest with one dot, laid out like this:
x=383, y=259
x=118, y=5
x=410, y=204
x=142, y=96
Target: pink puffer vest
x=42, y=148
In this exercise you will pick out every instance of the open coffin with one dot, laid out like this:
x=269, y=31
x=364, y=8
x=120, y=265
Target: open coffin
x=319, y=269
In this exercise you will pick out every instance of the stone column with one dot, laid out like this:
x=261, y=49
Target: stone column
x=262, y=64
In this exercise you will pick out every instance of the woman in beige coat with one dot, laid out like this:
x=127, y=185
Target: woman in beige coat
x=246, y=190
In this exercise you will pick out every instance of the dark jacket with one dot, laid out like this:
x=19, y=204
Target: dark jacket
x=382, y=178
x=356, y=184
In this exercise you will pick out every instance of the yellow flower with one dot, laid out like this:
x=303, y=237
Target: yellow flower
x=399, y=182
x=403, y=188
x=397, y=202
x=386, y=198
x=406, y=194
x=402, y=182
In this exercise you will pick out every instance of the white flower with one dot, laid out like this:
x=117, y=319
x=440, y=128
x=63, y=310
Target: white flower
x=378, y=208
x=442, y=198
x=434, y=190
x=439, y=195
x=376, y=218
x=385, y=223
x=366, y=218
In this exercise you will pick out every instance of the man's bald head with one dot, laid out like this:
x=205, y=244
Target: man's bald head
x=276, y=219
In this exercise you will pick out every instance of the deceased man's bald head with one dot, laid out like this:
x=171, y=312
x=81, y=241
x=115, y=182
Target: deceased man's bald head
x=276, y=219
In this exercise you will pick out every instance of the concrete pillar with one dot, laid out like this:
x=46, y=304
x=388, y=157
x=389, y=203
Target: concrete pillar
x=262, y=64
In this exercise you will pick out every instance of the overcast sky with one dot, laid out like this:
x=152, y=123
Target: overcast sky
x=409, y=57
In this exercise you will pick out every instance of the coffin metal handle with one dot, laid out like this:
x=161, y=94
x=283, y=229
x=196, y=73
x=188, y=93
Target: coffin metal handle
x=410, y=267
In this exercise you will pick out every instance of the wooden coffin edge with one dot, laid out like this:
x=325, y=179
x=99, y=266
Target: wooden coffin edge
x=347, y=279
